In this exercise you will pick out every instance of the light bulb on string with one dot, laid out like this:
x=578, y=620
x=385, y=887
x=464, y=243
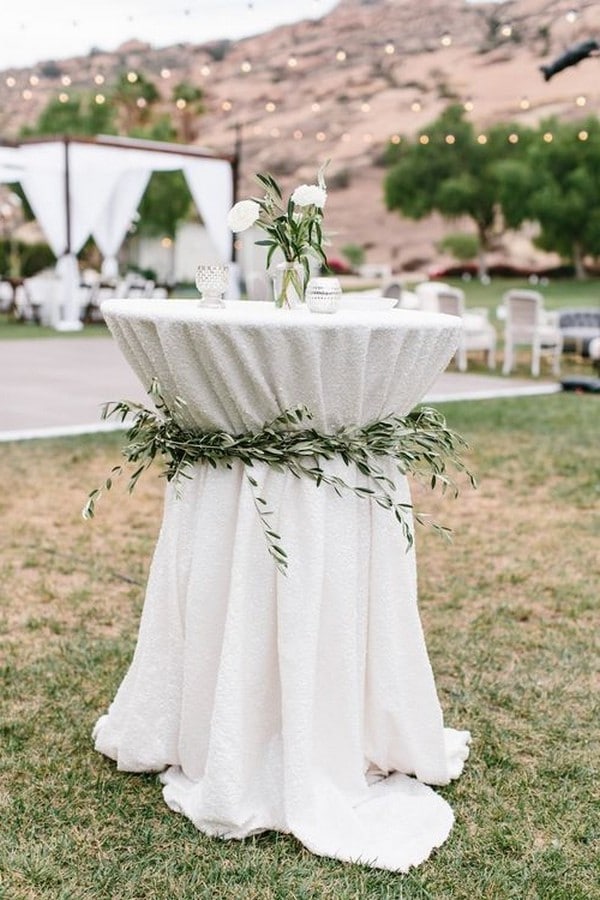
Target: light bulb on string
x=506, y=30
x=468, y=105
x=395, y=139
x=321, y=136
x=424, y=139
x=583, y=135
x=389, y=48
x=11, y=81
x=446, y=39
x=63, y=97
x=571, y=16
x=132, y=77
x=416, y=106
x=100, y=99
x=246, y=66
x=99, y=79
x=581, y=100
x=548, y=137
x=524, y=103
x=482, y=139
x=341, y=55
x=450, y=139
x=65, y=80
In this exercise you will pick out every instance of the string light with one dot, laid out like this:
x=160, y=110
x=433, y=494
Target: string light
x=396, y=139
x=548, y=137
x=298, y=135
x=513, y=138
x=571, y=16
x=446, y=39
x=316, y=107
x=468, y=105
x=524, y=103
x=11, y=82
x=482, y=139
x=581, y=100
x=246, y=66
x=341, y=55
x=450, y=139
x=270, y=106
x=389, y=48
x=165, y=73
x=423, y=139
x=180, y=103
x=141, y=103
x=226, y=105
x=583, y=135
x=205, y=70
x=26, y=95
x=292, y=62
x=416, y=106
x=321, y=136
x=100, y=99
x=132, y=77
x=64, y=97
x=506, y=31
x=99, y=79
x=65, y=80
x=365, y=107
x=33, y=80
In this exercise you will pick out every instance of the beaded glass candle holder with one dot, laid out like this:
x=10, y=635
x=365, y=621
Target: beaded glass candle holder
x=212, y=283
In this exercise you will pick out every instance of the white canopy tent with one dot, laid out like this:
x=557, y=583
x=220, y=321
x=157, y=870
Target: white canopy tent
x=79, y=187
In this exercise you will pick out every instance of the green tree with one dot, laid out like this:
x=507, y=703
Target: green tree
x=451, y=170
x=189, y=101
x=166, y=202
x=80, y=116
x=134, y=96
x=557, y=184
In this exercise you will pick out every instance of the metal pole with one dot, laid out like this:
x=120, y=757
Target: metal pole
x=67, y=198
x=235, y=171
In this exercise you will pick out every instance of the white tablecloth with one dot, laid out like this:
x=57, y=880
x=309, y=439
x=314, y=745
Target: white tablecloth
x=271, y=701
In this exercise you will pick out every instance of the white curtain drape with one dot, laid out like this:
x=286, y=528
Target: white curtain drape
x=211, y=185
x=111, y=227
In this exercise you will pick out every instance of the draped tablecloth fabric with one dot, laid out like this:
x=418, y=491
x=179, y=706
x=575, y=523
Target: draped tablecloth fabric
x=302, y=703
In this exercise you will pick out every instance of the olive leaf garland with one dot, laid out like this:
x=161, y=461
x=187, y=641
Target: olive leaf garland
x=420, y=443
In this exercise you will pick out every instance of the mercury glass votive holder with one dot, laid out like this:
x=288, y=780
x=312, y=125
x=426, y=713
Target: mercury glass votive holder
x=212, y=282
x=323, y=295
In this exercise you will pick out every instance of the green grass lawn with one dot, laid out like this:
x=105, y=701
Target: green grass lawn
x=510, y=611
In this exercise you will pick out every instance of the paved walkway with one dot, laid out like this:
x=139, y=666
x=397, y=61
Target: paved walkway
x=57, y=386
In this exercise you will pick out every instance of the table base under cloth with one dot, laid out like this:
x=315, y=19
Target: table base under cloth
x=276, y=702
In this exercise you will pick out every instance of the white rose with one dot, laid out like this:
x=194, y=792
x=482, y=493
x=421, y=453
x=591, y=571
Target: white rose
x=243, y=215
x=309, y=195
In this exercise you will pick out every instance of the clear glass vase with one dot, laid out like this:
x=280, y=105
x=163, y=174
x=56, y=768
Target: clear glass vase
x=288, y=285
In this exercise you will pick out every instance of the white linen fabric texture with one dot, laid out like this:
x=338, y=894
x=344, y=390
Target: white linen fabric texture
x=301, y=703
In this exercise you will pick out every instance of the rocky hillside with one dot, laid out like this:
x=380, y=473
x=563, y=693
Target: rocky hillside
x=339, y=87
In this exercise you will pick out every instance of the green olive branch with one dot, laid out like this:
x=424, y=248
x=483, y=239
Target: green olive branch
x=420, y=444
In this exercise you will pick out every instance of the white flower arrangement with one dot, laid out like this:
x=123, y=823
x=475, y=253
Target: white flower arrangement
x=292, y=226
